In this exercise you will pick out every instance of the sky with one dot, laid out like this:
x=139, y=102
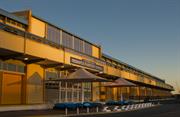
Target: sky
x=142, y=33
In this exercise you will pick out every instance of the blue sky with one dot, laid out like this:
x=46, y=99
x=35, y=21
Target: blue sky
x=142, y=33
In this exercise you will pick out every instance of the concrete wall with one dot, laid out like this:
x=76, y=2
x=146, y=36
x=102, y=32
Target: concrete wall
x=37, y=27
x=35, y=87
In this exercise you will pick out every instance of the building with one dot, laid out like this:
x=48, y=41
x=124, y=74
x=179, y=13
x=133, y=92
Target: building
x=32, y=50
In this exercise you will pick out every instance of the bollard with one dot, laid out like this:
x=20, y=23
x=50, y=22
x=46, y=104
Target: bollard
x=78, y=111
x=97, y=109
x=87, y=109
x=66, y=111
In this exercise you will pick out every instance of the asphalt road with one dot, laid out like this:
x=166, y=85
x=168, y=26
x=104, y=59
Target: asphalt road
x=167, y=110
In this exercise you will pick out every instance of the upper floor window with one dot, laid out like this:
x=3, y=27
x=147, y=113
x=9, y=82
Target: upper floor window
x=15, y=23
x=53, y=34
x=78, y=44
x=67, y=40
x=51, y=75
x=87, y=48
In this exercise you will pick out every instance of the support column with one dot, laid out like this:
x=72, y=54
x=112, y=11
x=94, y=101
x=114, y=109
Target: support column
x=66, y=92
x=128, y=92
x=72, y=93
x=145, y=91
x=59, y=92
x=139, y=92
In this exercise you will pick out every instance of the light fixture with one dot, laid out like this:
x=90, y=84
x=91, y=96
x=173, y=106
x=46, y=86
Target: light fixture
x=62, y=66
x=26, y=58
x=100, y=72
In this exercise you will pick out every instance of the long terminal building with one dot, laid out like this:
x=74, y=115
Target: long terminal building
x=34, y=51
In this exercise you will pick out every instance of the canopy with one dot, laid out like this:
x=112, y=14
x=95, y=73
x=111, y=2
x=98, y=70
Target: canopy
x=81, y=75
x=120, y=82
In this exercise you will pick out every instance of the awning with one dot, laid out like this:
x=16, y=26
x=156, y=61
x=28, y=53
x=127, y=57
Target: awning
x=81, y=75
x=120, y=82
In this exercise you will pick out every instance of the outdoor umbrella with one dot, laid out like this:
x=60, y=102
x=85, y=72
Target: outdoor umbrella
x=80, y=76
x=120, y=82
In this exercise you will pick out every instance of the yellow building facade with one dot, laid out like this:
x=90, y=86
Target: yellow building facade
x=32, y=51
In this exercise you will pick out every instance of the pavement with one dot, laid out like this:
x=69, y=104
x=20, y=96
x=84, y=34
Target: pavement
x=164, y=110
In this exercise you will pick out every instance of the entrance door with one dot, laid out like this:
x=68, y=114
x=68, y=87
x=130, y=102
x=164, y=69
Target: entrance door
x=11, y=88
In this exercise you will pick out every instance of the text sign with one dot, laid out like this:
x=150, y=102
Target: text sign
x=86, y=63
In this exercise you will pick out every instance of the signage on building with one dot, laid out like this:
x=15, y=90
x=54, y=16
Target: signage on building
x=86, y=63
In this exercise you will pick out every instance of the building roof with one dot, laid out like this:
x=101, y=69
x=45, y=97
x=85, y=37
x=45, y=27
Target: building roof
x=132, y=67
x=14, y=17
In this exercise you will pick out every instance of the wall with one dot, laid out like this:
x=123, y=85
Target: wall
x=11, y=88
x=44, y=51
x=35, y=88
x=9, y=41
x=37, y=27
x=95, y=52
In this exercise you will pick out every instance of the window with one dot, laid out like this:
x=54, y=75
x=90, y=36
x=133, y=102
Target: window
x=1, y=64
x=63, y=93
x=67, y=40
x=11, y=67
x=50, y=75
x=75, y=94
x=21, y=69
x=87, y=48
x=5, y=66
x=1, y=18
x=78, y=44
x=14, y=23
x=69, y=95
x=53, y=34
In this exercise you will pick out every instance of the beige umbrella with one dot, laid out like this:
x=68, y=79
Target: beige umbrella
x=80, y=76
x=120, y=82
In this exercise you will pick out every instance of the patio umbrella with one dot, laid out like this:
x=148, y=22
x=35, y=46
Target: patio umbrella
x=80, y=76
x=120, y=82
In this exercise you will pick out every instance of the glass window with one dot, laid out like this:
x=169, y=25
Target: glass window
x=87, y=48
x=50, y=75
x=63, y=85
x=11, y=67
x=63, y=93
x=69, y=94
x=53, y=34
x=78, y=44
x=5, y=66
x=20, y=69
x=67, y=40
x=1, y=64
x=75, y=94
